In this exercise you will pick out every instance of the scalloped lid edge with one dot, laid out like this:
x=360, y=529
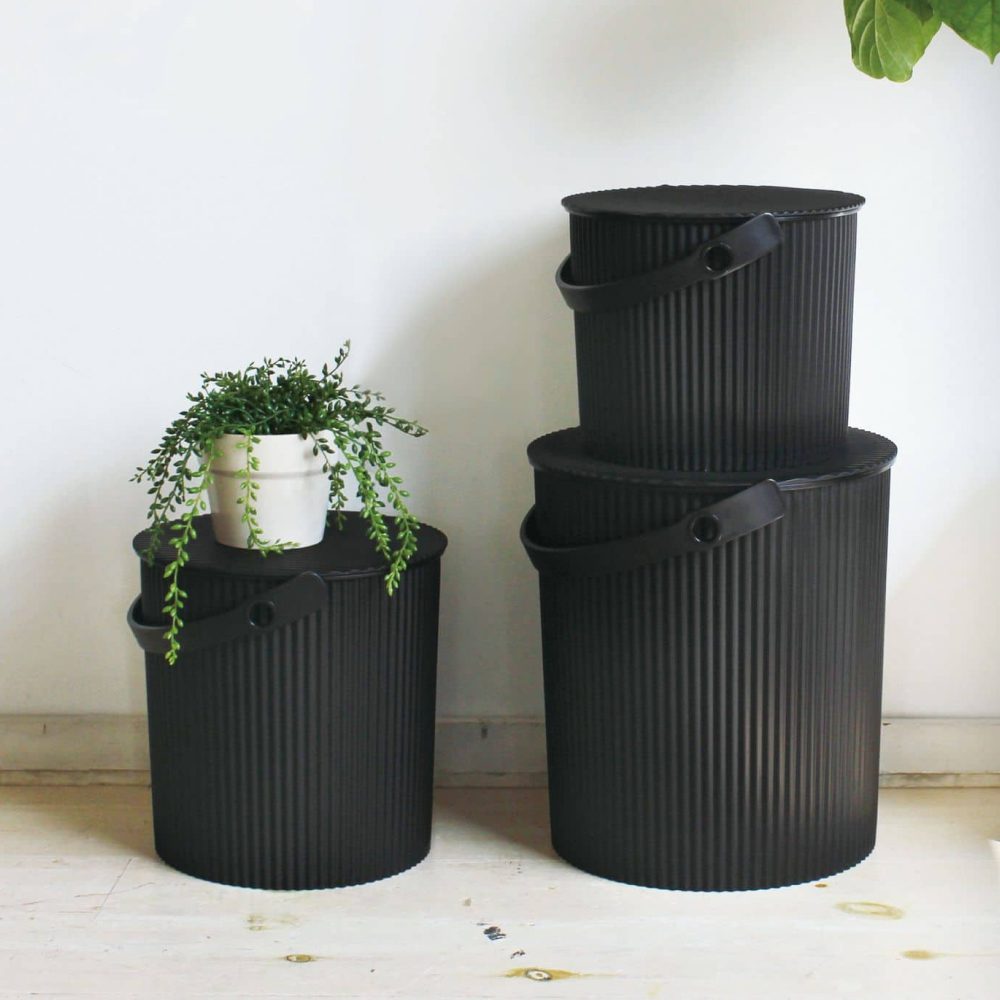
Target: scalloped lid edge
x=712, y=201
x=862, y=454
x=341, y=555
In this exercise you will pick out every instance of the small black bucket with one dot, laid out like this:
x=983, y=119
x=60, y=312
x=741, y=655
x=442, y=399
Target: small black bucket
x=713, y=324
x=292, y=744
x=713, y=665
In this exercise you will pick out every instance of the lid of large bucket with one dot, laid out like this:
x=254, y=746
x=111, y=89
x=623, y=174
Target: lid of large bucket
x=862, y=454
x=712, y=201
x=348, y=552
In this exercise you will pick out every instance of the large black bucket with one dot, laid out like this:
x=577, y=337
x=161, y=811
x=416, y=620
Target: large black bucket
x=713, y=665
x=713, y=324
x=292, y=744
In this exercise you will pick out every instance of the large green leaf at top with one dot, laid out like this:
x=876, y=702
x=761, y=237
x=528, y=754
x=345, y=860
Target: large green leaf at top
x=888, y=37
x=977, y=21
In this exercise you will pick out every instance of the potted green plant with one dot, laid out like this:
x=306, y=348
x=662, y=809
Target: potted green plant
x=268, y=449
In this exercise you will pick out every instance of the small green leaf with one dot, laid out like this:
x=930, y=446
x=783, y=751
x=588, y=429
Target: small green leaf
x=977, y=21
x=888, y=37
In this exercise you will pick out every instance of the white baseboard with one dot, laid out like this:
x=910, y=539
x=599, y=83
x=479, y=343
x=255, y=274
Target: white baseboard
x=502, y=752
x=113, y=750
x=72, y=744
x=942, y=753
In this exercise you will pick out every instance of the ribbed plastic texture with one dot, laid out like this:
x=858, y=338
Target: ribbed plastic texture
x=748, y=371
x=302, y=759
x=713, y=721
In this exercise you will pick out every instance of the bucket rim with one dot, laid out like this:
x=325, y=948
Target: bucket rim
x=700, y=202
x=862, y=454
x=353, y=558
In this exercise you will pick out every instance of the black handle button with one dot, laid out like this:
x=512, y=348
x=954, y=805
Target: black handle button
x=705, y=529
x=718, y=258
x=261, y=614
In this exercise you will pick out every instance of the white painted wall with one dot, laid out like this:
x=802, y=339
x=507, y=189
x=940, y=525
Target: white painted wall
x=192, y=184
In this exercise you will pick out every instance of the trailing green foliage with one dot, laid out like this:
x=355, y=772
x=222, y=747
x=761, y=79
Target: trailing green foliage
x=276, y=397
x=888, y=37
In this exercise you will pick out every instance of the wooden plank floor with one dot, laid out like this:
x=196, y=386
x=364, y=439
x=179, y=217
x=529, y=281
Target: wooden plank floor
x=87, y=910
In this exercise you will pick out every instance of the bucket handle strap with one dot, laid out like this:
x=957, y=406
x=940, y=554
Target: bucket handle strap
x=713, y=259
x=260, y=614
x=700, y=531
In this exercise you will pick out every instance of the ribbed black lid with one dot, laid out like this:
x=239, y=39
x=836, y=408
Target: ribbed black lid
x=712, y=201
x=862, y=454
x=347, y=553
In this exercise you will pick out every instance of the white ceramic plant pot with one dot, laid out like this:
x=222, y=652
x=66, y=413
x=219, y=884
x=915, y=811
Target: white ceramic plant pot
x=291, y=500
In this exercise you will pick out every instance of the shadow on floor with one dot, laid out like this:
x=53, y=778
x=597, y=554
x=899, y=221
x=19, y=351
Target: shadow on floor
x=504, y=815
x=118, y=819
x=94, y=818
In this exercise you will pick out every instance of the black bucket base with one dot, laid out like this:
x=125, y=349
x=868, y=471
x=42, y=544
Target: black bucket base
x=294, y=749
x=186, y=866
x=682, y=881
x=712, y=698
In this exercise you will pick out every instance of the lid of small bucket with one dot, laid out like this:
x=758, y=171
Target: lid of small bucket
x=712, y=201
x=862, y=454
x=342, y=553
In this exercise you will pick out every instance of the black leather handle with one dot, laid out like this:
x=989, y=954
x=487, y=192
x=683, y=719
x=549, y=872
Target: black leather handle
x=708, y=528
x=261, y=613
x=713, y=259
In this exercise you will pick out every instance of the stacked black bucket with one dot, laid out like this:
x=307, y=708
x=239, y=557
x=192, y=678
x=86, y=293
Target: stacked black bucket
x=711, y=545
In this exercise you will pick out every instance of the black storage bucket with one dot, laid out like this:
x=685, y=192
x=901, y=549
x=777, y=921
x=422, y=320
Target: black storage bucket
x=292, y=744
x=713, y=324
x=713, y=665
